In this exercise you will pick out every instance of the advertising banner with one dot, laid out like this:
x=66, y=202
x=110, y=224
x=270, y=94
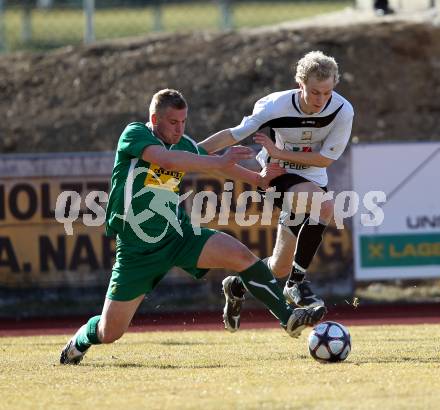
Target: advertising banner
x=65, y=262
x=405, y=244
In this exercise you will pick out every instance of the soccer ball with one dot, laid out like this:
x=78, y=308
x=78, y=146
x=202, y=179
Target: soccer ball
x=329, y=342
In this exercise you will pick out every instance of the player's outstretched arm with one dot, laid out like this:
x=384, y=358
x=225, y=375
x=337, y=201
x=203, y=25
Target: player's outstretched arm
x=258, y=179
x=314, y=159
x=189, y=162
x=218, y=141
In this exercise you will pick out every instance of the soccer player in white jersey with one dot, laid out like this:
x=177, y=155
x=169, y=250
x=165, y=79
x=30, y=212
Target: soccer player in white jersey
x=309, y=128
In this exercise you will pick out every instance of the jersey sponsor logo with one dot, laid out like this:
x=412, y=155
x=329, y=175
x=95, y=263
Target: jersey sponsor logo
x=161, y=178
x=293, y=165
x=165, y=201
x=295, y=148
x=308, y=122
x=306, y=136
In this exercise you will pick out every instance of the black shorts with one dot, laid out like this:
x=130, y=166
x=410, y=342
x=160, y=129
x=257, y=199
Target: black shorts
x=282, y=184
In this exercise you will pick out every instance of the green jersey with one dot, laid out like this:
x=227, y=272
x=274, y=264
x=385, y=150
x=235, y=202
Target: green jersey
x=144, y=198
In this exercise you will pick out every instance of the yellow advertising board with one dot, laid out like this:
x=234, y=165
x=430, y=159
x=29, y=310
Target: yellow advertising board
x=35, y=250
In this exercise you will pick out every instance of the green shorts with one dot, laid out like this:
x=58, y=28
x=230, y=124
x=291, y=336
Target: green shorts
x=140, y=267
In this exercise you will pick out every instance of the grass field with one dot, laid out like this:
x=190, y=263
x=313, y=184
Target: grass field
x=390, y=367
x=56, y=27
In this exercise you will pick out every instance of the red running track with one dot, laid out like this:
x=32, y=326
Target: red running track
x=348, y=315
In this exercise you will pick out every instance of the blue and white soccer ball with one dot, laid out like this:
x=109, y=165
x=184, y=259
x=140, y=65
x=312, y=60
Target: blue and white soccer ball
x=329, y=342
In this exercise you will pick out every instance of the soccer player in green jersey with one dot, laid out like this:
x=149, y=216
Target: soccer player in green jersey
x=154, y=234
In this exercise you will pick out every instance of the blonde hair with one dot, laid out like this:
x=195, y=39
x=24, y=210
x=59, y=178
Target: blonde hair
x=317, y=64
x=167, y=98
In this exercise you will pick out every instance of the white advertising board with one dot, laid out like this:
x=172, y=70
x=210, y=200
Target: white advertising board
x=407, y=243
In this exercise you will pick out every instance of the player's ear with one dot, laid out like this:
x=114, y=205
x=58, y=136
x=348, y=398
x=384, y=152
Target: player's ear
x=154, y=118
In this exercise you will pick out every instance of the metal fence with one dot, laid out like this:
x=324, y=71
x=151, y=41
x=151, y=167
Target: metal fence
x=46, y=24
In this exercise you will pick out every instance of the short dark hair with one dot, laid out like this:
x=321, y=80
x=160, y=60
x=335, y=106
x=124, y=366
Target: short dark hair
x=167, y=98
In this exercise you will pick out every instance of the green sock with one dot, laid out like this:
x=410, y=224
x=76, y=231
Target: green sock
x=87, y=335
x=260, y=282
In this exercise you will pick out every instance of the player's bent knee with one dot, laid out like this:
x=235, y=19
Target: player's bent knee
x=327, y=209
x=243, y=258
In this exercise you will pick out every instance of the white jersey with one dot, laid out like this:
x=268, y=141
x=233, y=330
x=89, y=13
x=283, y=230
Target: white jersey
x=326, y=132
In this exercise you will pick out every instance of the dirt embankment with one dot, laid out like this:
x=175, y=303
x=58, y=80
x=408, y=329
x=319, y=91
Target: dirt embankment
x=79, y=99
